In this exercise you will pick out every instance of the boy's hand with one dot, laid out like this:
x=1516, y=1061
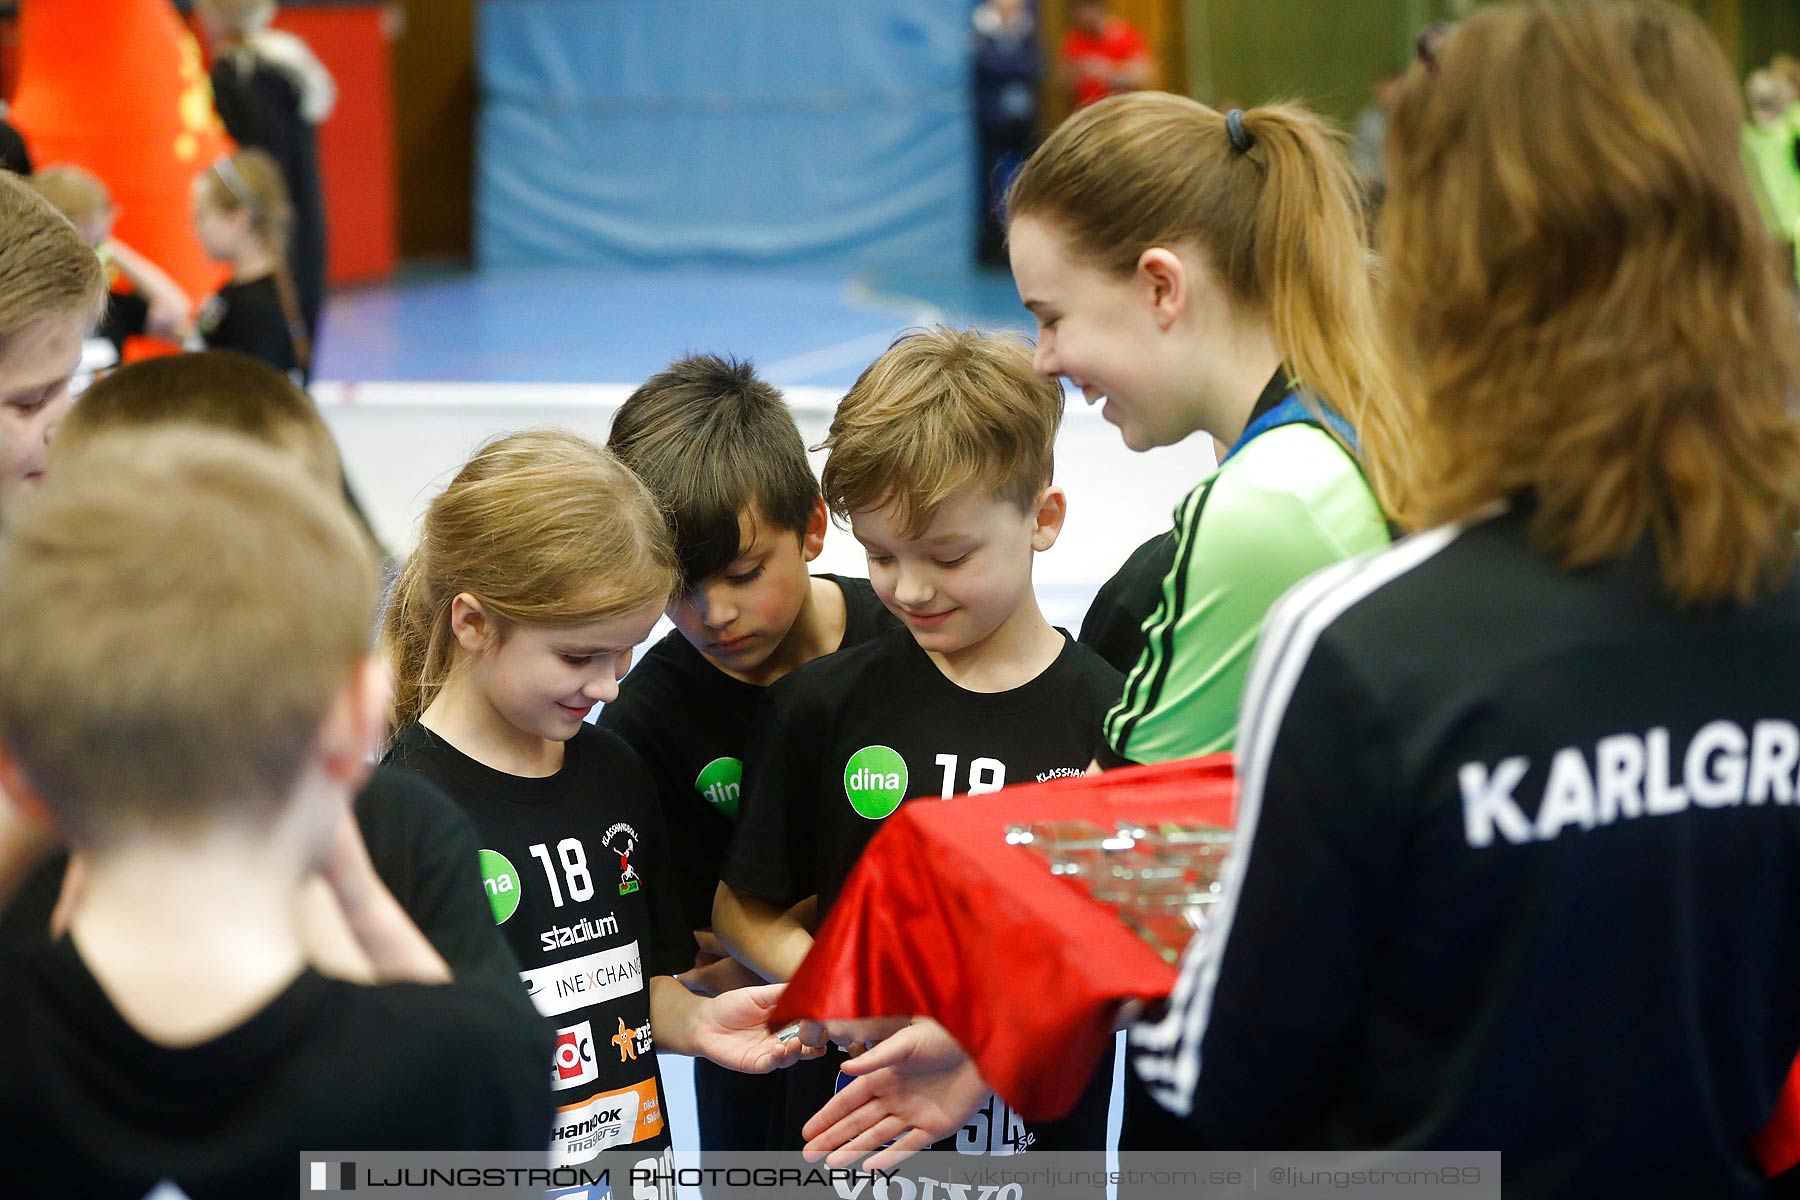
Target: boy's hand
x=912, y=1089
x=732, y=1030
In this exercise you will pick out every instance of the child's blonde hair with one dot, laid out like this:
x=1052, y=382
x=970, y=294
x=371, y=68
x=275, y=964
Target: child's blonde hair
x=543, y=528
x=73, y=191
x=177, y=610
x=1583, y=299
x=1280, y=223
x=46, y=270
x=942, y=410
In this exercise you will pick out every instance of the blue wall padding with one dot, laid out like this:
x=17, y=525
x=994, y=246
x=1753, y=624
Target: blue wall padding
x=826, y=133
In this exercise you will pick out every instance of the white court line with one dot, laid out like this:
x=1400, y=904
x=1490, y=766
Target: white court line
x=329, y=393
x=339, y=393
x=857, y=351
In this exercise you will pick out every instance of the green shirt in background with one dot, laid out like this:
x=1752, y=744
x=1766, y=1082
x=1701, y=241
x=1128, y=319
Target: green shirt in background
x=1770, y=157
x=1286, y=504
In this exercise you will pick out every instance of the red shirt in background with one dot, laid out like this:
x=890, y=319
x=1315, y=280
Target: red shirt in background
x=1118, y=45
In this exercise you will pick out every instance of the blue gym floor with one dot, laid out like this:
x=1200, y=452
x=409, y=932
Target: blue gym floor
x=554, y=326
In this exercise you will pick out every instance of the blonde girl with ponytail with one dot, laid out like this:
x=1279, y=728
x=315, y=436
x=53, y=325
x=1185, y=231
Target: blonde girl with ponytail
x=538, y=569
x=1196, y=271
x=244, y=218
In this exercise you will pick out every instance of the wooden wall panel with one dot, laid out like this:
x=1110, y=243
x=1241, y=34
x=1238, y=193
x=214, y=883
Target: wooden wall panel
x=434, y=105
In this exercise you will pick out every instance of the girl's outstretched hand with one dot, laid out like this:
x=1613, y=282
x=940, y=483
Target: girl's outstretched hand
x=732, y=1030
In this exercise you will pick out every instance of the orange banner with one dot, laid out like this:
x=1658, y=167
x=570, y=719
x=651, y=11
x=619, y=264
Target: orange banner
x=126, y=97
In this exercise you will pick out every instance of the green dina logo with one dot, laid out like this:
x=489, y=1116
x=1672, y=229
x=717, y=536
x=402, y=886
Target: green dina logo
x=719, y=782
x=502, y=883
x=875, y=781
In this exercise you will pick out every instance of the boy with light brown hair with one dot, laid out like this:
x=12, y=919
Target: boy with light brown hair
x=940, y=458
x=213, y=389
x=419, y=844
x=218, y=389
x=186, y=688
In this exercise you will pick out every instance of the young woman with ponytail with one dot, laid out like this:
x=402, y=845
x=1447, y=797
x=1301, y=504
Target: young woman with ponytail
x=1197, y=271
x=1519, y=821
x=243, y=218
x=538, y=569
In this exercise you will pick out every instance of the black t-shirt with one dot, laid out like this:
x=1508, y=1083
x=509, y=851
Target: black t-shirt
x=1516, y=870
x=248, y=317
x=690, y=722
x=843, y=741
x=574, y=869
x=127, y=316
x=92, y=1108
x=423, y=848
x=1114, y=624
x=427, y=852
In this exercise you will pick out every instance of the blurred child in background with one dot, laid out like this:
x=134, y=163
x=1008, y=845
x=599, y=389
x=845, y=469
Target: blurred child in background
x=243, y=218
x=272, y=93
x=1772, y=153
x=143, y=298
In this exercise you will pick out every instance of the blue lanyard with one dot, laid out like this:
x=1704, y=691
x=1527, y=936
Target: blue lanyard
x=1293, y=411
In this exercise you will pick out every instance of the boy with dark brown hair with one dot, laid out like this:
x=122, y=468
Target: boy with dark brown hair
x=718, y=448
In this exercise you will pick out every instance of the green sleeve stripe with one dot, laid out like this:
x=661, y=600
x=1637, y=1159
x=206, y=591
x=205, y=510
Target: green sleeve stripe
x=1145, y=684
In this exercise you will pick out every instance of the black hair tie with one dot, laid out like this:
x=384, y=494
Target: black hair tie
x=1241, y=141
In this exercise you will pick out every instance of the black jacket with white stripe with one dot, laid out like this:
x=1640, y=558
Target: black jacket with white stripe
x=1518, y=869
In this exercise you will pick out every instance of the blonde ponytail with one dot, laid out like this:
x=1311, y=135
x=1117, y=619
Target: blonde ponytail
x=417, y=650
x=1313, y=274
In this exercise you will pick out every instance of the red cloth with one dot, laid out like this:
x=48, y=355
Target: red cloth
x=1778, y=1145
x=1118, y=45
x=942, y=918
